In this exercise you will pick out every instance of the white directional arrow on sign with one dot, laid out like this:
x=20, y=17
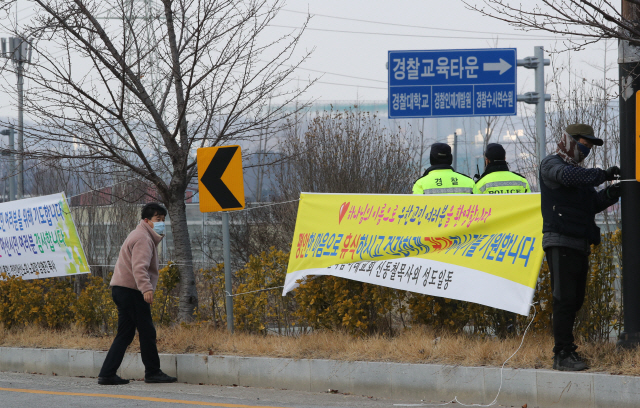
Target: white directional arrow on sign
x=501, y=66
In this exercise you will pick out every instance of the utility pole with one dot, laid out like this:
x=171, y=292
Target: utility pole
x=12, y=162
x=629, y=61
x=20, y=74
x=19, y=51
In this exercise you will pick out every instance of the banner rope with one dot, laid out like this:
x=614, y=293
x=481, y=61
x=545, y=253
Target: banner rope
x=495, y=400
x=236, y=211
x=266, y=205
x=253, y=291
x=177, y=264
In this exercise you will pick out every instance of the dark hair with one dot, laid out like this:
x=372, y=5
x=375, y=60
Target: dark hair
x=152, y=209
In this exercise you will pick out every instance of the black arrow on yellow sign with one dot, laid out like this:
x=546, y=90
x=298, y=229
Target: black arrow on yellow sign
x=212, y=178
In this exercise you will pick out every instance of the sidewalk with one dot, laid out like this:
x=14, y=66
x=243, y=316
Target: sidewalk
x=410, y=382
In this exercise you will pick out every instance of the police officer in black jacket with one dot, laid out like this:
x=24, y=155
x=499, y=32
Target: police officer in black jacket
x=569, y=205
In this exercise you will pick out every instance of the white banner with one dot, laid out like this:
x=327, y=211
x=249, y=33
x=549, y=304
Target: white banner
x=429, y=278
x=38, y=239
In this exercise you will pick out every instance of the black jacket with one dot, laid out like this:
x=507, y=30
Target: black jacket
x=570, y=201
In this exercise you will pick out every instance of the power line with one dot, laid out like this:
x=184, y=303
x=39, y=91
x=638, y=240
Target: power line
x=413, y=26
x=372, y=22
x=62, y=52
x=357, y=86
x=527, y=37
x=410, y=35
x=27, y=16
x=333, y=73
x=335, y=83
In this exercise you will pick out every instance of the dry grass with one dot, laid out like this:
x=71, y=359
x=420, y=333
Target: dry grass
x=418, y=345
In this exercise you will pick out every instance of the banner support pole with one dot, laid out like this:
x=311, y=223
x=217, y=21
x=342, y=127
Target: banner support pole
x=629, y=68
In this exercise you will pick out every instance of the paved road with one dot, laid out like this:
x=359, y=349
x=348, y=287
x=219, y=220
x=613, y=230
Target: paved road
x=28, y=390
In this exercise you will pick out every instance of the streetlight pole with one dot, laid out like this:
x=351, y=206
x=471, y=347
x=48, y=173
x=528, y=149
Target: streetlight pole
x=19, y=51
x=12, y=162
x=20, y=74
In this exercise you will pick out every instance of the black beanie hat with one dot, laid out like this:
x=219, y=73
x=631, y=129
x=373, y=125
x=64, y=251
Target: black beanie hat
x=495, y=151
x=440, y=154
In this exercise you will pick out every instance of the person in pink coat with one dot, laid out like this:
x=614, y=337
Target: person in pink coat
x=134, y=280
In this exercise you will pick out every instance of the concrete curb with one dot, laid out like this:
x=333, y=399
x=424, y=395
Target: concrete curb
x=429, y=382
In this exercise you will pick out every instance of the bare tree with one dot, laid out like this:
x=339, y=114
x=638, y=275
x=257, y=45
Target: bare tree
x=139, y=88
x=422, y=145
x=346, y=152
x=343, y=152
x=582, y=101
x=582, y=21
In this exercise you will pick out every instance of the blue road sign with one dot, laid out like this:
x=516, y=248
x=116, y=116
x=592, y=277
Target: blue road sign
x=436, y=83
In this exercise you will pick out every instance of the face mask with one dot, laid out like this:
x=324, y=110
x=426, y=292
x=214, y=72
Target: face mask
x=158, y=227
x=584, y=149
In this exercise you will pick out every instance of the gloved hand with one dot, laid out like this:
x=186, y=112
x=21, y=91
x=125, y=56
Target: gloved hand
x=612, y=172
x=613, y=191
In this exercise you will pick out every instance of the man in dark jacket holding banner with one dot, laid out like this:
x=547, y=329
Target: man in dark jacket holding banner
x=569, y=205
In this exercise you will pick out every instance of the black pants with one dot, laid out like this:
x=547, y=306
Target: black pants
x=133, y=313
x=569, y=269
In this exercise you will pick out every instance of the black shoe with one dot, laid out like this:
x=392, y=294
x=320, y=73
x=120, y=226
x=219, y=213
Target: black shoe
x=568, y=361
x=112, y=380
x=160, y=378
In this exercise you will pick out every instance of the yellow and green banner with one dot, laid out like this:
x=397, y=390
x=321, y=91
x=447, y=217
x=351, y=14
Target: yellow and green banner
x=38, y=239
x=485, y=249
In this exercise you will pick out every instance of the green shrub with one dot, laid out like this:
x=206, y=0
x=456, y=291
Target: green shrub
x=601, y=313
x=257, y=312
x=165, y=298
x=20, y=301
x=323, y=302
x=94, y=309
x=328, y=302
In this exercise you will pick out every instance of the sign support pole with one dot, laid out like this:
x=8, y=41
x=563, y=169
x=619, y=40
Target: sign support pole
x=227, y=269
x=541, y=131
x=538, y=98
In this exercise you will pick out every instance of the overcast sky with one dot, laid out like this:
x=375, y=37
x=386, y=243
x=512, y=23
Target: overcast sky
x=349, y=56
x=359, y=48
